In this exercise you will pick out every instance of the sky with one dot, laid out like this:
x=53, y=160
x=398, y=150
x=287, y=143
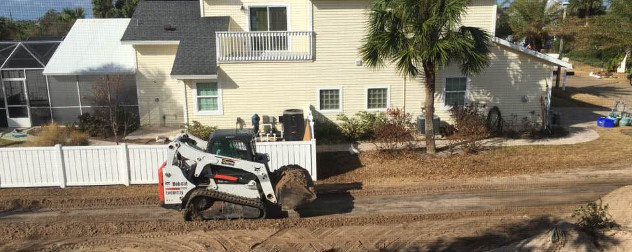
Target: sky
x=33, y=9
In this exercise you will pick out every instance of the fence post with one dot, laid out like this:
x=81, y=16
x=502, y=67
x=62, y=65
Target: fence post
x=61, y=166
x=314, y=165
x=124, y=160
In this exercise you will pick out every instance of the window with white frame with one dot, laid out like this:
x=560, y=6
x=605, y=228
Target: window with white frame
x=377, y=98
x=268, y=18
x=455, y=91
x=208, y=97
x=329, y=99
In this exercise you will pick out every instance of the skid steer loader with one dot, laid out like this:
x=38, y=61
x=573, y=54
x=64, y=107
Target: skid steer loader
x=225, y=178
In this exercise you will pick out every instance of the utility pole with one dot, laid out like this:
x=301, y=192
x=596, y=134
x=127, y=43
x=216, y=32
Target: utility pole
x=559, y=68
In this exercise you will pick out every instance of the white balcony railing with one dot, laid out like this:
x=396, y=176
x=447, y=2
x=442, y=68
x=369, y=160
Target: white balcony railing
x=264, y=46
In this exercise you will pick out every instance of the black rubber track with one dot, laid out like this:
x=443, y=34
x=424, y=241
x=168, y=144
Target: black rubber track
x=191, y=214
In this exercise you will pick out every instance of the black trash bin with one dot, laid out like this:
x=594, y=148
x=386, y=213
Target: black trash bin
x=293, y=125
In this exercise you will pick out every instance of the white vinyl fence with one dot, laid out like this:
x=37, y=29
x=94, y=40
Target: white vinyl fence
x=122, y=164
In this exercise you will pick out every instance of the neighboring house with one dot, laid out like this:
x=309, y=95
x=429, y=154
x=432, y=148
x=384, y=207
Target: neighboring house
x=24, y=99
x=91, y=51
x=221, y=61
x=45, y=81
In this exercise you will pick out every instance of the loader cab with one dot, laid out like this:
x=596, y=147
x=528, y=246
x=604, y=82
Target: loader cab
x=238, y=144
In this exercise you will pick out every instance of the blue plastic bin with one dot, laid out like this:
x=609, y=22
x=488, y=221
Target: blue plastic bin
x=605, y=122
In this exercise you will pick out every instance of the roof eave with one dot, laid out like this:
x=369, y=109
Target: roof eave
x=194, y=77
x=150, y=42
x=533, y=53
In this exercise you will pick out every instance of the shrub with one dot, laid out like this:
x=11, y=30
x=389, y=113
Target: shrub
x=90, y=125
x=593, y=217
x=201, y=131
x=360, y=126
x=53, y=134
x=396, y=131
x=470, y=126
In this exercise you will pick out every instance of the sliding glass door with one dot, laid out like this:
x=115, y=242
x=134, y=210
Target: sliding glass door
x=269, y=19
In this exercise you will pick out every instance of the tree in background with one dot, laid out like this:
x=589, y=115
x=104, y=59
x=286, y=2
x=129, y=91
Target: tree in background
x=503, y=29
x=8, y=29
x=607, y=36
x=69, y=15
x=420, y=37
x=114, y=9
x=102, y=8
x=533, y=21
x=125, y=8
x=586, y=8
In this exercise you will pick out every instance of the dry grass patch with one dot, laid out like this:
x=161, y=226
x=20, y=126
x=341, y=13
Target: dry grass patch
x=53, y=134
x=411, y=166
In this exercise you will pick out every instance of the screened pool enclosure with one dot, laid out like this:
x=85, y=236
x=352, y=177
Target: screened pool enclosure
x=29, y=98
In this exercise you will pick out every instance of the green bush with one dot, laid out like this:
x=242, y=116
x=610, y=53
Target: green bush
x=593, y=217
x=613, y=63
x=90, y=125
x=361, y=126
x=201, y=131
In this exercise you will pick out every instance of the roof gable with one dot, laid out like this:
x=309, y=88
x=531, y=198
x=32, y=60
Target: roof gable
x=93, y=47
x=178, y=22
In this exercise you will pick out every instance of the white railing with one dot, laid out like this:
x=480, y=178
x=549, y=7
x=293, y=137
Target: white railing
x=264, y=46
x=118, y=165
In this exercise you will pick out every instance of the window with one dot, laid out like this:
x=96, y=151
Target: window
x=268, y=18
x=455, y=91
x=230, y=148
x=377, y=98
x=329, y=99
x=208, y=98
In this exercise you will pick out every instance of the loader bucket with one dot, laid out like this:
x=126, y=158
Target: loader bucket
x=294, y=187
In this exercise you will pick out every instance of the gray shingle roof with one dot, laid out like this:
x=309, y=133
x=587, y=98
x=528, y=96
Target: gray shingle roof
x=196, y=51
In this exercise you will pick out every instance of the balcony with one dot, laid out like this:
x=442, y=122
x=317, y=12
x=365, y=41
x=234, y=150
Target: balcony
x=264, y=46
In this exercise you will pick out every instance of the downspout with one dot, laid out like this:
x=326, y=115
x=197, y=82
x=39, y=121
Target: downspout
x=185, y=108
x=404, y=106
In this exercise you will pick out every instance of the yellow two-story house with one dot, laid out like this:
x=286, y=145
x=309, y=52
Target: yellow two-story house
x=221, y=61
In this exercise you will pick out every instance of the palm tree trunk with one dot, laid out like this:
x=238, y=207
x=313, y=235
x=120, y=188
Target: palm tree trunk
x=429, y=70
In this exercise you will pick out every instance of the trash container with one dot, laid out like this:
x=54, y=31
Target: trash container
x=421, y=124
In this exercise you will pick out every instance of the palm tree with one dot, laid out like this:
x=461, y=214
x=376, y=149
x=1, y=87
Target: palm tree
x=70, y=15
x=420, y=37
x=102, y=8
x=532, y=20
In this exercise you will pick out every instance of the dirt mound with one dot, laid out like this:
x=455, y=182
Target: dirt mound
x=294, y=187
x=563, y=238
x=620, y=205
